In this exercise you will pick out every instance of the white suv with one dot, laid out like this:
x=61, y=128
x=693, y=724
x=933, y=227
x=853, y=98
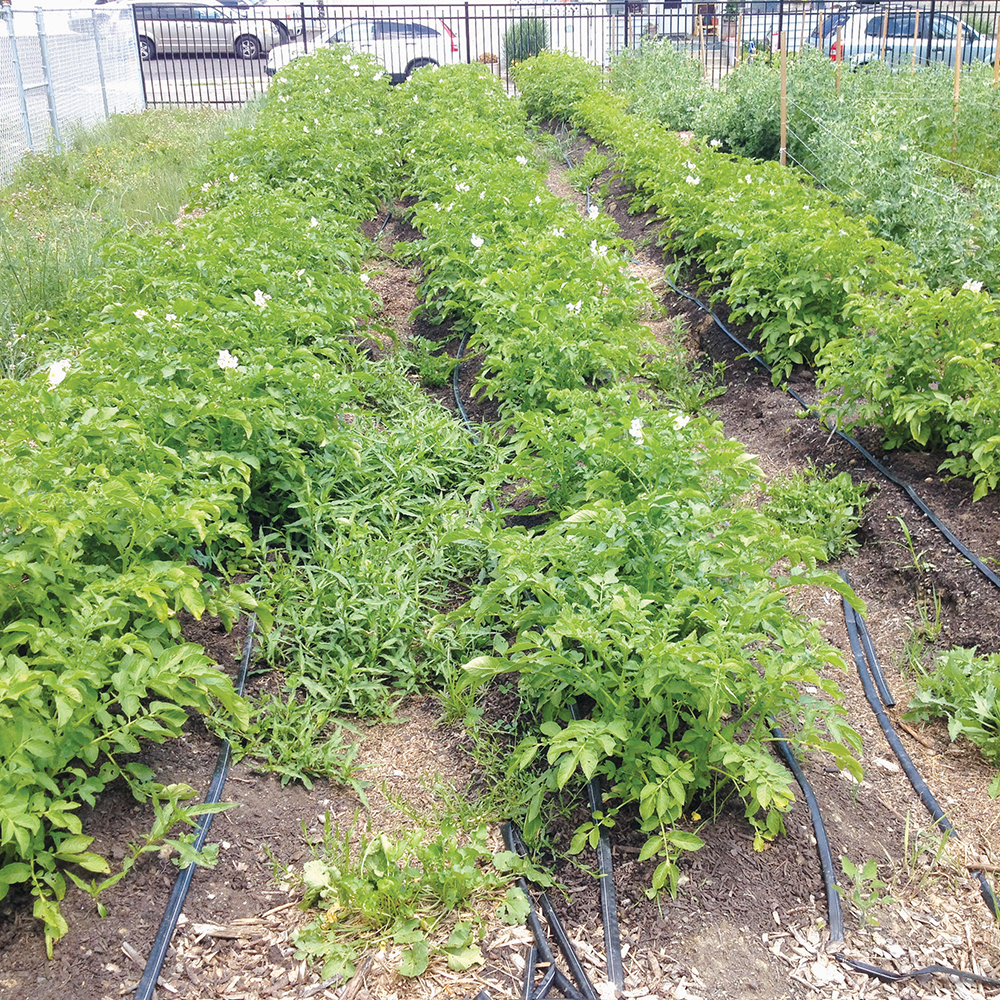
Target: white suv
x=870, y=35
x=400, y=46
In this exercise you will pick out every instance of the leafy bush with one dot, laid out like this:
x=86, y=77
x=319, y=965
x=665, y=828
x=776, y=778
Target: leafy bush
x=922, y=366
x=813, y=503
x=551, y=85
x=660, y=83
x=525, y=38
x=963, y=689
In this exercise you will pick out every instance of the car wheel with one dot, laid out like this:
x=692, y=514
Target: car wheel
x=147, y=50
x=418, y=64
x=247, y=47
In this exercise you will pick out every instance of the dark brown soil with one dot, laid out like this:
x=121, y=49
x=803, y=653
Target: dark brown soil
x=745, y=924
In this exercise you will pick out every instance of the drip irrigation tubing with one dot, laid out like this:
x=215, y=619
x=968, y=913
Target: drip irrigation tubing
x=865, y=673
x=834, y=911
x=157, y=954
x=552, y=976
x=809, y=408
x=606, y=883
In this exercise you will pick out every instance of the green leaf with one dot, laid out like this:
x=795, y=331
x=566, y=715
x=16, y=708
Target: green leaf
x=515, y=906
x=413, y=961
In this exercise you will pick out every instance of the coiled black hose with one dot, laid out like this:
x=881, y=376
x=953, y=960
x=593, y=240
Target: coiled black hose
x=157, y=954
x=809, y=408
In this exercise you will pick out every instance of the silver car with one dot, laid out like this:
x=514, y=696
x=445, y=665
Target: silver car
x=902, y=36
x=171, y=28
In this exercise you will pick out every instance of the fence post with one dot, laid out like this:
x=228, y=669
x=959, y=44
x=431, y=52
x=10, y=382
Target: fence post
x=50, y=93
x=468, y=42
x=100, y=64
x=305, y=33
x=930, y=34
x=8, y=16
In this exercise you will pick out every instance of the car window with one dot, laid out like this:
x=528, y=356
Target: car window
x=901, y=26
x=945, y=27
x=834, y=21
x=406, y=29
x=360, y=31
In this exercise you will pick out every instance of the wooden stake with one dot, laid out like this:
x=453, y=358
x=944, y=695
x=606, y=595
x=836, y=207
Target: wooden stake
x=996, y=54
x=958, y=84
x=916, y=40
x=885, y=33
x=840, y=53
x=739, y=39
x=783, y=149
x=701, y=39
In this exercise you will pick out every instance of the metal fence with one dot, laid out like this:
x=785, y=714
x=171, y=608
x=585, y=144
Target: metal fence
x=55, y=79
x=193, y=58
x=121, y=56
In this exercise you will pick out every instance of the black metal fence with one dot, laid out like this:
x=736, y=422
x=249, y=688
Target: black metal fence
x=223, y=53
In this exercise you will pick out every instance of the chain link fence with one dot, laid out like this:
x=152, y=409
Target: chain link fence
x=59, y=74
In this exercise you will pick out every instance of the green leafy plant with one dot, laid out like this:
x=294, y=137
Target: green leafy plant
x=588, y=170
x=430, y=362
x=864, y=893
x=963, y=689
x=422, y=889
x=814, y=502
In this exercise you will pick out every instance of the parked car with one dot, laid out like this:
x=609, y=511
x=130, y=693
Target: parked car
x=864, y=32
x=400, y=46
x=286, y=19
x=167, y=27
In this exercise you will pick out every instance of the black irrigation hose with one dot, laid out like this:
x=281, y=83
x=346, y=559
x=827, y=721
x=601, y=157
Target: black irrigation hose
x=609, y=902
x=944, y=824
x=873, y=663
x=809, y=408
x=833, y=908
x=553, y=976
x=456, y=376
x=385, y=223
x=157, y=954
x=836, y=919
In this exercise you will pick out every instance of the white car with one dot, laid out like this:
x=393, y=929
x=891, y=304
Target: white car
x=867, y=33
x=400, y=46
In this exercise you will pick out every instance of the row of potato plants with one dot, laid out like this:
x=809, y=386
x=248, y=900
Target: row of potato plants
x=197, y=389
x=925, y=179
x=818, y=287
x=646, y=594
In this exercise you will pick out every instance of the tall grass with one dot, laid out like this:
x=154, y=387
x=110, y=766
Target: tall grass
x=131, y=172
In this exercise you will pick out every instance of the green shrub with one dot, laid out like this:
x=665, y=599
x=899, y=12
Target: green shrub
x=525, y=39
x=553, y=83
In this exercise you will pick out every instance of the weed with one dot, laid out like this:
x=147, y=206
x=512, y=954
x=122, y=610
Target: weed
x=813, y=502
x=428, y=359
x=419, y=889
x=864, y=893
x=963, y=689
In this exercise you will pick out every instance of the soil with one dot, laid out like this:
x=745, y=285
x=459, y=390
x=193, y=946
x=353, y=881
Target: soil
x=746, y=924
